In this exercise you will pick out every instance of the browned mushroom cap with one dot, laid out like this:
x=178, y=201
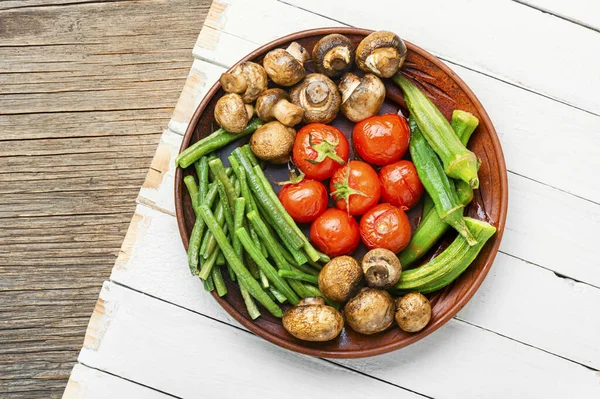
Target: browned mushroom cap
x=361, y=97
x=381, y=53
x=413, y=312
x=232, y=114
x=333, y=55
x=381, y=267
x=286, y=67
x=340, y=278
x=273, y=142
x=312, y=320
x=370, y=312
x=247, y=79
x=275, y=104
x=319, y=98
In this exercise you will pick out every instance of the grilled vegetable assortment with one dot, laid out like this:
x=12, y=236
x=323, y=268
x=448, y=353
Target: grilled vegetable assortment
x=247, y=234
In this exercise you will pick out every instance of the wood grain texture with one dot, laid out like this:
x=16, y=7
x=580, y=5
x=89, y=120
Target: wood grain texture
x=86, y=88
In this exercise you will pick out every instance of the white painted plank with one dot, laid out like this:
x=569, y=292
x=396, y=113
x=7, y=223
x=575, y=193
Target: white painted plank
x=177, y=351
x=533, y=129
x=188, y=355
x=501, y=38
x=87, y=383
x=583, y=12
x=518, y=300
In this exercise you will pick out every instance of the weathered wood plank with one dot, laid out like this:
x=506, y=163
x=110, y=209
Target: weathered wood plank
x=582, y=12
x=86, y=88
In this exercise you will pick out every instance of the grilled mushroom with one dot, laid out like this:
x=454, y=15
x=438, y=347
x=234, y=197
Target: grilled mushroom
x=333, y=55
x=381, y=267
x=286, y=67
x=381, y=53
x=319, y=98
x=273, y=142
x=232, y=114
x=361, y=97
x=275, y=104
x=370, y=312
x=413, y=312
x=340, y=278
x=312, y=320
x=247, y=79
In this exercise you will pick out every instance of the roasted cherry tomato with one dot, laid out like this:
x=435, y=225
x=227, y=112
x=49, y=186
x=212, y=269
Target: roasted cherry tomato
x=385, y=226
x=381, y=139
x=357, y=184
x=320, y=150
x=335, y=233
x=400, y=184
x=305, y=200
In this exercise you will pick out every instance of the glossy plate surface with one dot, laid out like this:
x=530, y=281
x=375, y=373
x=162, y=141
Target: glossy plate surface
x=448, y=92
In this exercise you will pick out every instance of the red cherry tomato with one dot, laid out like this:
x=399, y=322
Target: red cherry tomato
x=385, y=226
x=335, y=233
x=320, y=150
x=305, y=200
x=381, y=139
x=356, y=184
x=400, y=184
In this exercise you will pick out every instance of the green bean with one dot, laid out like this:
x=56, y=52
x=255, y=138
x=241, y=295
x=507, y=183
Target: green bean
x=221, y=262
x=253, y=311
x=250, y=155
x=202, y=172
x=209, y=284
x=266, y=267
x=218, y=280
x=278, y=295
x=264, y=280
x=213, y=142
x=254, y=270
x=227, y=209
x=218, y=170
x=308, y=248
x=210, y=243
x=244, y=276
x=299, y=276
x=238, y=221
x=263, y=198
x=271, y=244
x=197, y=232
x=192, y=187
x=208, y=264
x=305, y=269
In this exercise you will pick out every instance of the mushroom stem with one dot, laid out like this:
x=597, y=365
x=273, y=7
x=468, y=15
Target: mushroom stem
x=316, y=92
x=348, y=84
x=249, y=110
x=233, y=84
x=377, y=275
x=287, y=113
x=384, y=60
x=298, y=52
x=337, y=59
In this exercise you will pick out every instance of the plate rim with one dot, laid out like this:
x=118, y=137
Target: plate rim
x=455, y=308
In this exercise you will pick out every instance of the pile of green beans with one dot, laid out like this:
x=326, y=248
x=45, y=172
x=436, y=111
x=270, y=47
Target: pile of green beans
x=241, y=224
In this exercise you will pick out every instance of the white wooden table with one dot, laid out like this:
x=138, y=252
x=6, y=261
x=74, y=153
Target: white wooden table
x=533, y=328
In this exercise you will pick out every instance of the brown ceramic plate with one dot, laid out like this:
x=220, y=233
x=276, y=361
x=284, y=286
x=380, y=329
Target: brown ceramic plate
x=448, y=92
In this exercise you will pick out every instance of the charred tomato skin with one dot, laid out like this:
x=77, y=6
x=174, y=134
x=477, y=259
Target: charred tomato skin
x=381, y=139
x=385, y=226
x=355, y=186
x=335, y=233
x=316, y=138
x=400, y=184
x=304, y=201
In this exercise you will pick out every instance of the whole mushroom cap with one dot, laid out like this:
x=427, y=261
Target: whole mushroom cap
x=340, y=278
x=318, y=96
x=413, y=312
x=248, y=79
x=361, y=97
x=381, y=267
x=232, y=114
x=275, y=104
x=286, y=67
x=381, y=53
x=273, y=142
x=333, y=55
x=370, y=311
x=312, y=320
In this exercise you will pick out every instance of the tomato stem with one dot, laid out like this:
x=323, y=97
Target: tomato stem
x=325, y=149
x=343, y=191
